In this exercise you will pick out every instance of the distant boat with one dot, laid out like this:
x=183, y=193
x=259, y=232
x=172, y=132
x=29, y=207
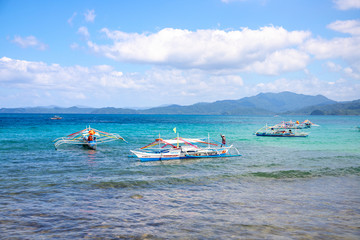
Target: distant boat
x=55, y=117
x=294, y=125
x=272, y=131
x=88, y=137
x=181, y=148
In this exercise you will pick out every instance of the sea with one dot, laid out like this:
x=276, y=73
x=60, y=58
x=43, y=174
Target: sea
x=279, y=188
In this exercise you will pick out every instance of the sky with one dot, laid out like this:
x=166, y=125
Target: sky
x=140, y=53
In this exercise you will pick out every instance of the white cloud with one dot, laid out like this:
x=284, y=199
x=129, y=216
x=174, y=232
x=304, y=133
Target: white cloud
x=157, y=85
x=352, y=73
x=29, y=41
x=39, y=75
x=281, y=61
x=343, y=48
x=70, y=20
x=102, y=84
x=90, y=15
x=346, y=71
x=341, y=90
x=347, y=4
x=350, y=26
x=83, y=31
x=204, y=49
x=333, y=66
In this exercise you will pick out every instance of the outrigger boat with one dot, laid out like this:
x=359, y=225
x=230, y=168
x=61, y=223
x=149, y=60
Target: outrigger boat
x=88, y=137
x=180, y=148
x=274, y=131
x=294, y=125
x=55, y=117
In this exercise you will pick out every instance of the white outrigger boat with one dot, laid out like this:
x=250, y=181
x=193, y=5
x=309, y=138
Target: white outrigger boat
x=56, y=117
x=294, y=125
x=180, y=148
x=276, y=131
x=88, y=137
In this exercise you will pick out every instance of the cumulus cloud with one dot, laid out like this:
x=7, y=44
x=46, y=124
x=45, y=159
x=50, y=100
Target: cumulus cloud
x=333, y=66
x=207, y=49
x=281, y=61
x=350, y=26
x=348, y=72
x=29, y=41
x=83, y=31
x=347, y=4
x=346, y=48
x=39, y=75
x=156, y=84
x=90, y=15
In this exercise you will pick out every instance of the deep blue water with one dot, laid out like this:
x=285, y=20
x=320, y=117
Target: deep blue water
x=280, y=188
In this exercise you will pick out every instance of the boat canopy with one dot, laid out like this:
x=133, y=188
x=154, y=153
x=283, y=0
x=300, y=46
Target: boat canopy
x=177, y=141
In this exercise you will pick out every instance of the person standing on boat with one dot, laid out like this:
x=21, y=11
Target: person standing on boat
x=223, y=140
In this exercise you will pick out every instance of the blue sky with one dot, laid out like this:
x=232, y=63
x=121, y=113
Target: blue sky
x=150, y=53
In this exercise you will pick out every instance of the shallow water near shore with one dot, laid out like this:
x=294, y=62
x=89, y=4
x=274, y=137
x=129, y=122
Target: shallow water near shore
x=279, y=188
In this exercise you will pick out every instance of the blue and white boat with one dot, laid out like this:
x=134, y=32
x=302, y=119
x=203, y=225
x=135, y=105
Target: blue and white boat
x=181, y=148
x=274, y=131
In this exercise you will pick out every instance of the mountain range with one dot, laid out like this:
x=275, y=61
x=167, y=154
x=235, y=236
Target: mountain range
x=262, y=104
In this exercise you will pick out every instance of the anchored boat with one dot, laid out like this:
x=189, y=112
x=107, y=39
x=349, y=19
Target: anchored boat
x=180, y=148
x=294, y=125
x=88, y=137
x=55, y=117
x=274, y=131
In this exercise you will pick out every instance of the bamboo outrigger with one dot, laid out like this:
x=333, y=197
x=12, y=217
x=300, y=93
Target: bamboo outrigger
x=88, y=137
x=180, y=148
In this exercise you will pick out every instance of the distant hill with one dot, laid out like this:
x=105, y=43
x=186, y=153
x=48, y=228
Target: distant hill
x=341, y=108
x=111, y=110
x=217, y=108
x=284, y=101
x=261, y=104
x=49, y=110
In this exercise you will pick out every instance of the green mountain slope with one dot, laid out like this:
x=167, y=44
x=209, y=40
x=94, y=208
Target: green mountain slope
x=261, y=104
x=342, y=108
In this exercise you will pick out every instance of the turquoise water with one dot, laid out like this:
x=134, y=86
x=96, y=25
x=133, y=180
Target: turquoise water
x=279, y=188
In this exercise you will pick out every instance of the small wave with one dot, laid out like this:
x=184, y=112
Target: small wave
x=283, y=174
x=208, y=179
x=151, y=183
x=325, y=172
